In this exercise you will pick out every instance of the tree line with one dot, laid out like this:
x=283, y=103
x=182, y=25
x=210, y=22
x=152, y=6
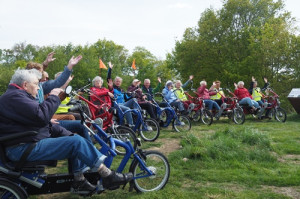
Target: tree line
x=244, y=38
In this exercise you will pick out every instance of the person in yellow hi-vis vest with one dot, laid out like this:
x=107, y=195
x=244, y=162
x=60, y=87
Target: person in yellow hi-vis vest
x=256, y=92
x=179, y=92
x=216, y=87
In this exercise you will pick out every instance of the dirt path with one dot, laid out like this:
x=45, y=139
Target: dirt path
x=168, y=145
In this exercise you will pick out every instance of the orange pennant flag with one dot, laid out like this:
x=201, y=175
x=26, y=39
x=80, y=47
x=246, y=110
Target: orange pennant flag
x=133, y=65
x=101, y=64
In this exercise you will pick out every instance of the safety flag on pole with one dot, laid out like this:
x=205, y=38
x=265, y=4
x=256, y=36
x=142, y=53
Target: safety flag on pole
x=133, y=65
x=101, y=64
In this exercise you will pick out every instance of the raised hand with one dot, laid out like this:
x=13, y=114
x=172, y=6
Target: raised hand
x=265, y=80
x=110, y=65
x=235, y=85
x=191, y=77
x=110, y=83
x=159, y=79
x=253, y=79
x=73, y=61
x=49, y=58
x=110, y=94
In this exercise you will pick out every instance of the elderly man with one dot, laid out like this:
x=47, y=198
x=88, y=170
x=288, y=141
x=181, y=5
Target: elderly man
x=146, y=88
x=19, y=112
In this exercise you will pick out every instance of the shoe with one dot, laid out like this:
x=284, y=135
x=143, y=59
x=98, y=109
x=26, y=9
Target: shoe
x=83, y=187
x=149, y=128
x=114, y=180
x=180, y=123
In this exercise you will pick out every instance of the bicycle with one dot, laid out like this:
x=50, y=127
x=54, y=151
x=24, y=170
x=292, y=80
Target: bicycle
x=168, y=114
x=151, y=169
x=199, y=112
x=106, y=114
x=142, y=124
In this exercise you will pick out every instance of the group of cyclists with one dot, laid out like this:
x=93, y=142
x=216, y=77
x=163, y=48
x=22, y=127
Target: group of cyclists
x=42, y=111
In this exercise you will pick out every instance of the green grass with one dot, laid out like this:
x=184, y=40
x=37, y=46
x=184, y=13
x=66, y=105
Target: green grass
x=259, y=159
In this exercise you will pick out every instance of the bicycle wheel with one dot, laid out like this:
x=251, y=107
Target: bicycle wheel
x=155, y=162
x=206, y=117
x=124, y=133
x=195, y=115
x=280, y=114
x=182, y=123
x=152, y=132
x=238, y=116
x=11, y=190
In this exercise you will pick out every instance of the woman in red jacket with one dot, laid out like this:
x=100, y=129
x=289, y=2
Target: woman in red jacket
x=205, y=94
x=244, y=96
x=103, y=93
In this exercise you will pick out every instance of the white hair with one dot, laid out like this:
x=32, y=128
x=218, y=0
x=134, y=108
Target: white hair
x=147, y=80
x=97, y=78
x=241, y=83
x=22, y=75
x=169, y=81
x=178, y=81
x=203, y=82
x=118, y=78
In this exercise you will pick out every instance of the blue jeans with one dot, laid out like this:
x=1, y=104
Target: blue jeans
x=83, y=154
x=127, y=115
x=248, y=101
x=75, y=126
x=211, y=104
x=132, y=103
x=178, y=105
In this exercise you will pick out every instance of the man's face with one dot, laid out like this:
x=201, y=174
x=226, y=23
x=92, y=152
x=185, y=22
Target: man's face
x=218, y=84
x=32, y=87
x=178, y=85
x=118, y=82
x=147, y=84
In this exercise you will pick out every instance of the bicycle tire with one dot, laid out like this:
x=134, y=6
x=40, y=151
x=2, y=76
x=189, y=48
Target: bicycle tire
x=238, y=116
x=158, y=164
x=153, y=134
x=182, y=127
x=280, y=114
x=123, y=133
x=11, y=190
x=206, y=117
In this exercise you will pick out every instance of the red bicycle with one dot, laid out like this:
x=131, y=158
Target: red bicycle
x=103, y=115
x=230, y=108
x=273, y=106
x=199, y=112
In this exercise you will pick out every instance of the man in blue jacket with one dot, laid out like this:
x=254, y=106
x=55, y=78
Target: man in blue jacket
x=19, y=112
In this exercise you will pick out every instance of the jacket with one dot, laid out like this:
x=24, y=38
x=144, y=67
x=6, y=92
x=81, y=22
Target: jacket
x=204, y=93
x=20, y=112
x=242, y=93
x=169, y=95
x=138, y=93
x=151, y=90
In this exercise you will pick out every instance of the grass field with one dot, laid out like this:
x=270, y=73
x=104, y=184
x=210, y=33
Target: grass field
x=259, y=159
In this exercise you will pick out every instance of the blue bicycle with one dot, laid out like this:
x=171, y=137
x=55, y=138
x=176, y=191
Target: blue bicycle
x=168, y=115
x=147, y=128
x=151, y=169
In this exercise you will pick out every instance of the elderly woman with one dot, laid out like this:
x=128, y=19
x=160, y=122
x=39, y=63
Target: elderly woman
x=244, y=96
x=179, y=92
x=205, y=94
x=101, y=92
x=141, y=98
x=172, y=99
x=19, y=112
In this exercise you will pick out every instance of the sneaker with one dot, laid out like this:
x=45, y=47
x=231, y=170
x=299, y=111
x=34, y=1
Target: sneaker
x=180, y=123
x=83, y=187
x=114, y=180
x=149, y=128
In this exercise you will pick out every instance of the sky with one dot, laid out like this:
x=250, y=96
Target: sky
x=153, y=24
